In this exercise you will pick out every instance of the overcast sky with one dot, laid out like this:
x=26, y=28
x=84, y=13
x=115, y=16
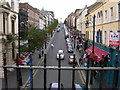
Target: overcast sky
x=61, y=8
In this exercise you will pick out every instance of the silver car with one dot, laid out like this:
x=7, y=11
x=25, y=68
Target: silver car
x=61, y=53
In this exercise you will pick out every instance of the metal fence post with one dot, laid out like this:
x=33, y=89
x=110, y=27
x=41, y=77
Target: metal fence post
x=31, y=73
x=116, y=72
x=91, y=75
x=5, y=72
x=17, y=72
x=101, y=73
x=59, y=65
x=45, y=73
x=87, y=73
x=73, y=75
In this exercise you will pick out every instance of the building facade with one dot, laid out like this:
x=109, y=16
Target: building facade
x=107, y=19
x=81, y=20
x=8, y=31
x=32, y=14
x=49, y=17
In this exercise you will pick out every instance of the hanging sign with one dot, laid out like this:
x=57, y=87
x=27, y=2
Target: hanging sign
x=114, y=39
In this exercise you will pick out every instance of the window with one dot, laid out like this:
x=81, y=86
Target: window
x=13, y=27
x=12, y=5
x=13, y=50
x=101, y=17
x=105, y=35
x=111, y=13
x=119, y=11
x=105, y=15
x=3, y=23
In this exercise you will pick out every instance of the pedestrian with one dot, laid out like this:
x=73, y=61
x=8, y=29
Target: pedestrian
x=42, y=52
x=39, y=55
x=85, y=45
x=80, y=61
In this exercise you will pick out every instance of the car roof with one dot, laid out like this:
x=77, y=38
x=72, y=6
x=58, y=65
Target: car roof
x=77, y=86
x=55, y=85
x=60, y=50
x=71, y=56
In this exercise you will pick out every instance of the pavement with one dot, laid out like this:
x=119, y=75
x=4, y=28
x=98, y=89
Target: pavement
x=96, y=81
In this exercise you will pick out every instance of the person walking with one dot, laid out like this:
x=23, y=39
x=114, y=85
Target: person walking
x=39, y=55
x=42, y=52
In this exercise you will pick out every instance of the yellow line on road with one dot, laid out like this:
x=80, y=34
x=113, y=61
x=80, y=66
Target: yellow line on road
x=81, y=76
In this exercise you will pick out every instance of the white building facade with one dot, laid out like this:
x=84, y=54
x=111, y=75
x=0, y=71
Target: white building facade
x=8, y=31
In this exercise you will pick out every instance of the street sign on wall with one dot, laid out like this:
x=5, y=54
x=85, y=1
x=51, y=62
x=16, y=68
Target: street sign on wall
x=114, y=39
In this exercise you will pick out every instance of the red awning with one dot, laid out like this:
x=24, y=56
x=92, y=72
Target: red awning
x=98, y=52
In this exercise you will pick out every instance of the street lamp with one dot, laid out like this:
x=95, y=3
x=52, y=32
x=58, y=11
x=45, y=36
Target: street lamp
x=91, y=77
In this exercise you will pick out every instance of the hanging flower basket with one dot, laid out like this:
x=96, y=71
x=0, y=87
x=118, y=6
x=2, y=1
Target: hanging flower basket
x=93, y=57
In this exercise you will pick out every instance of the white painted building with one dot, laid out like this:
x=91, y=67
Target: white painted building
x=8, y=29
x=42, y=21
x=81, y=20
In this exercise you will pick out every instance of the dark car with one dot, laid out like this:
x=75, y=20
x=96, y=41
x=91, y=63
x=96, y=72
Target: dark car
x=54, y=86
x=70, y=49
x=71, y=59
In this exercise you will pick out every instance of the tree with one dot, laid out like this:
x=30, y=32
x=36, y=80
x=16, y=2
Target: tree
x=52, y=26
x=35, y=38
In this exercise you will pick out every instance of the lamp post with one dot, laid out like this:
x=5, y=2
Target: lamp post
x=19, y=71
x=93, y=33
x=91, y=77
x=19, y=25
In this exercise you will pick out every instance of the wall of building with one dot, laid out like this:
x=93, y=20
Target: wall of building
x=102, y=24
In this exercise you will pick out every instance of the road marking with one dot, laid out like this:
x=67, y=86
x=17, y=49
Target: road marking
x=81, y=76
x=40, y=62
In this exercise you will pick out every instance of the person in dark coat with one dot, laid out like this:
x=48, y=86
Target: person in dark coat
x=85, y=45
x=39, y=55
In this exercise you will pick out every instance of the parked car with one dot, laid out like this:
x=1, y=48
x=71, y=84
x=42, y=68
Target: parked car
x=68, y=42
x=66, y=34
x=68, y=39
x=69, y=45
x=61, y=53
x=54, y=86
x=71, y=59
x=70, y=49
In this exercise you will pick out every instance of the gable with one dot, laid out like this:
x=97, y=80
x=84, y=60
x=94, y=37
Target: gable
x=5, y=4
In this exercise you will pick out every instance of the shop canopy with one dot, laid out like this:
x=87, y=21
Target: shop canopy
x=98, y=52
